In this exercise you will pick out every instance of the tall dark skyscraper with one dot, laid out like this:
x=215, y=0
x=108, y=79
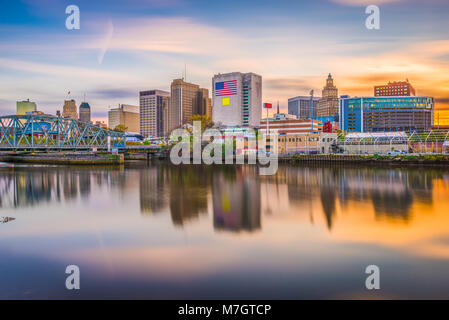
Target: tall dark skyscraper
x=84, y=112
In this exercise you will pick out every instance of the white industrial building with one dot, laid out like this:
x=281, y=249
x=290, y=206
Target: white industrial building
x=237, y=99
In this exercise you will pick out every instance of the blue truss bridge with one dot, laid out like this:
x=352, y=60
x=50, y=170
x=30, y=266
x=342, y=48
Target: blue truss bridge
x=51, y=133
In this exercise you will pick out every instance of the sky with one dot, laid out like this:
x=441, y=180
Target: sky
x=123, y=47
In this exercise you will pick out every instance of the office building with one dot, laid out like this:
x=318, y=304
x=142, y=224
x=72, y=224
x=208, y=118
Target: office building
x=101, y=124
x=126, y=115
x=386, y=114
x=204, y=105
x=237, y=99
x=302, y=106
x=290, y=126
x=398, y=89
x=69, y=110
x=24, y=107
x=328, y=104
x=84, y=112
x=186, y=99
x=153, y=112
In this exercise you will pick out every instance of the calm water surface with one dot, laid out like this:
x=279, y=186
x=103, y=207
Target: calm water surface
x=162, y=231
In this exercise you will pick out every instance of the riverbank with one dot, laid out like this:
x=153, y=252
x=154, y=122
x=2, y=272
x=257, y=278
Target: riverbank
x=86, y=158
x=78, y=158
x=384, y=160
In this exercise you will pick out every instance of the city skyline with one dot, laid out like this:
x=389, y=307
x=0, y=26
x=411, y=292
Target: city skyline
x=120, y=51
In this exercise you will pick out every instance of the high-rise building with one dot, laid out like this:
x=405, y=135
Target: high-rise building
x=24, y=107
x=400, y=88
x=69, y=109
x=237, y=99
x=101, y=124
x=328, y=104
x=186, y=99
x=153, y=105
x=301, y=107
x=204, y=103
x=380, y=114
x=126, y=115
x=84, y=112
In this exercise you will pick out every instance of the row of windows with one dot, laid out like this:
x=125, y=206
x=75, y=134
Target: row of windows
x=297, y=139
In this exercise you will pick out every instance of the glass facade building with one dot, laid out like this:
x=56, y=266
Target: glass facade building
x=380, y=114
x=302, y=107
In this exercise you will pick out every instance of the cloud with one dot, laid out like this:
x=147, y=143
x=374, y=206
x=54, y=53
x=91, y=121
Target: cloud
x=179, y=35
x=106, y=41
x=56, y=70
x=286, y=84
x=364, y=2
x=113, y=93
x=444, y=100
x=114, y=54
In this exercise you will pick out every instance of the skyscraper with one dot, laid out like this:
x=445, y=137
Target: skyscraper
x=84, y=112
x=401, y=88
x=237, y=99
x=301, y=107
x=153, y=104
x=186, y=100
x=24, y=107
x=126, y=115
x=204, y=103
x=69, y=109
x=380, y=114
x=328, y=104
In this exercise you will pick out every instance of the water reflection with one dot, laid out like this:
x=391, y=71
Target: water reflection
x=163, y=231
x=236, y=199
x=235, y=193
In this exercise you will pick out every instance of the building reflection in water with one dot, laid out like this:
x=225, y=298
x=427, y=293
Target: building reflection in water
x=235, y=191
x=31, y=186
x=236, y=199
x=153, y=190
x=188, y=193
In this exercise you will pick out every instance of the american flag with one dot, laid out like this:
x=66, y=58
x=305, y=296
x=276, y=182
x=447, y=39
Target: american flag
x=226, y=88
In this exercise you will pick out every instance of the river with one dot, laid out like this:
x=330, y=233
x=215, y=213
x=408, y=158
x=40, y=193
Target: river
x=159, y=231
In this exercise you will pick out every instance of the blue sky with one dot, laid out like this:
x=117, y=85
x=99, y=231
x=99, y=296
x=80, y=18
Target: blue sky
x=127, y=46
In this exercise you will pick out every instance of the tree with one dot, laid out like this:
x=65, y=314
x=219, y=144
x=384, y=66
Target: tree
x=120, y=128
x=206, y=122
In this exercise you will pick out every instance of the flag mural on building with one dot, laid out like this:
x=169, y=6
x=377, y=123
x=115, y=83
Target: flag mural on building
x=226, y=88
x=237, y=99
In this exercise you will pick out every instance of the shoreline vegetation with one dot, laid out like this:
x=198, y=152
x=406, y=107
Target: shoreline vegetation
x=80, y=158
x=374, y=159
x=90, y=158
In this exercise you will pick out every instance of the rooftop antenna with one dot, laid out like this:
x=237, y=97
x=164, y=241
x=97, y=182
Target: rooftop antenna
x=278, y=107
x=185, y=71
